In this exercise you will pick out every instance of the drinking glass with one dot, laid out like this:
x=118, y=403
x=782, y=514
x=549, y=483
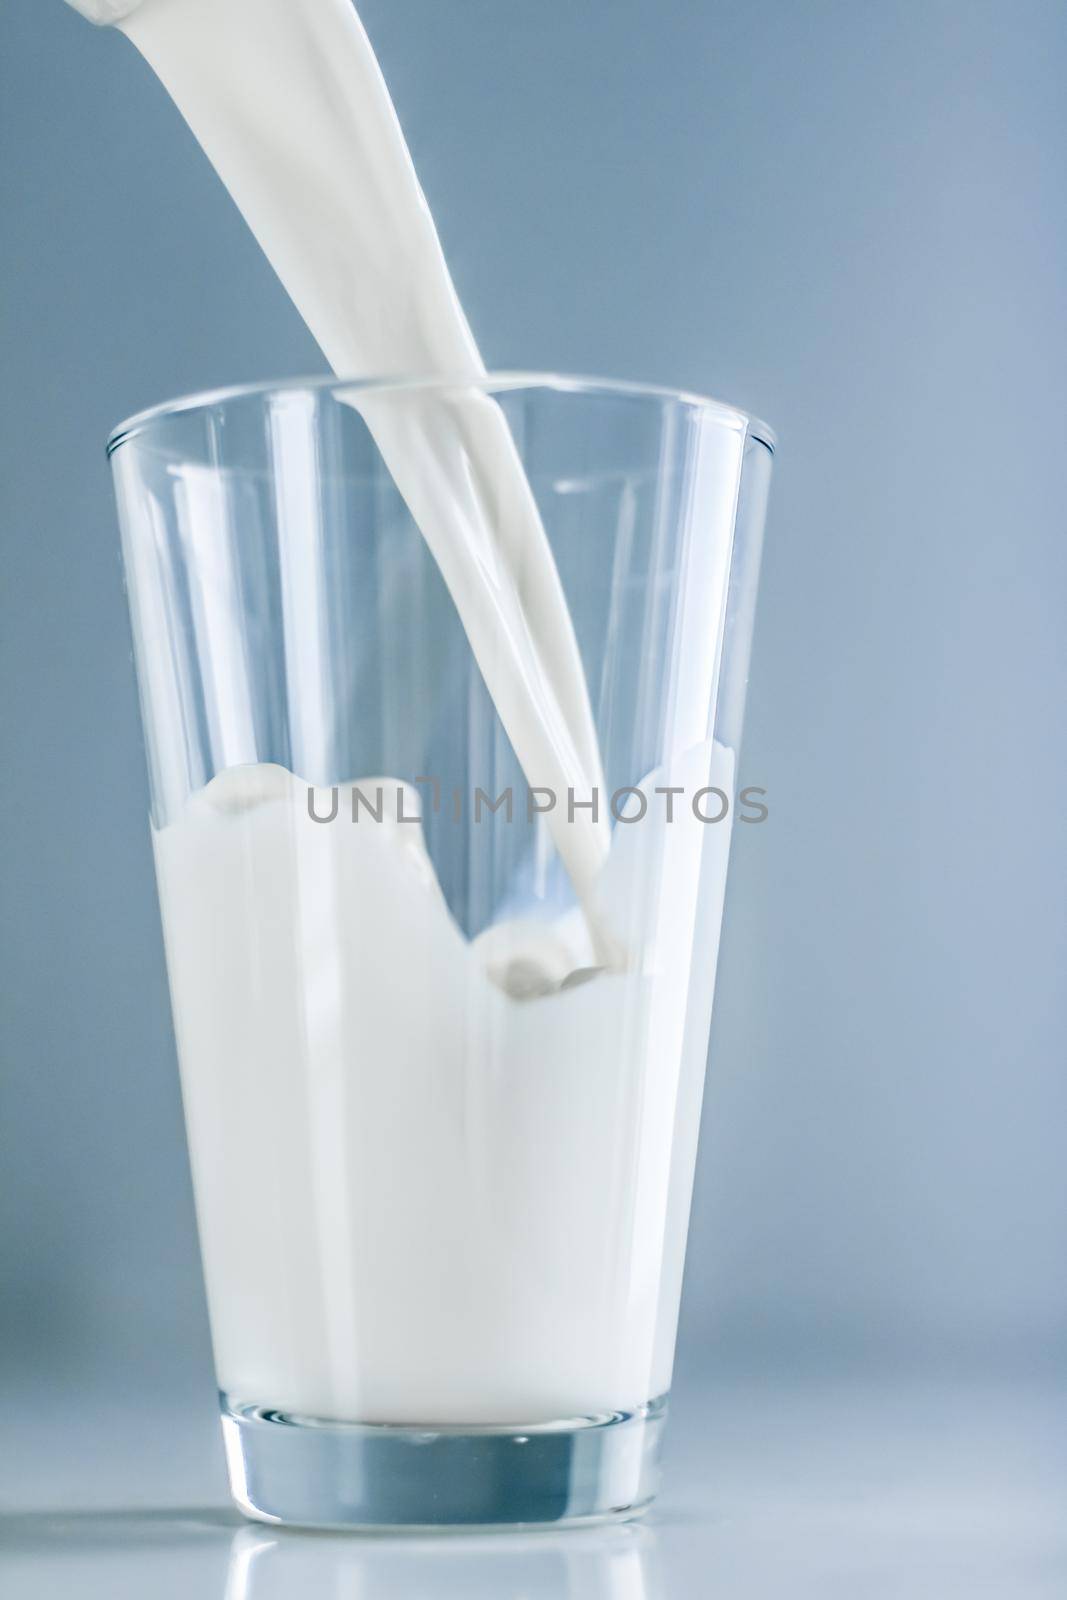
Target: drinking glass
x=441, y=955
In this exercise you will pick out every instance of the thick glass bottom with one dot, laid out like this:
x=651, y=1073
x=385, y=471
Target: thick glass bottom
x=316, y=1474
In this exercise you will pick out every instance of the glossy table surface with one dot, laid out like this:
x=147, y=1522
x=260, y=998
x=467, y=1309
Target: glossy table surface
x=828, y=1488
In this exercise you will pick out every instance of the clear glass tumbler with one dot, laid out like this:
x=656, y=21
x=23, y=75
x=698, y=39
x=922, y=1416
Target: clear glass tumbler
x=442, y=689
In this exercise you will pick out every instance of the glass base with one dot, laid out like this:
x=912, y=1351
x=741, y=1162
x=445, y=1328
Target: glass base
x=315, y=1474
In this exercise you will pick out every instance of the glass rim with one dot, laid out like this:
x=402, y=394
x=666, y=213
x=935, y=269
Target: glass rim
x=492, y=382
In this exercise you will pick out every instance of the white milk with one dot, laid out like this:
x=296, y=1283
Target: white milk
x=420, y=1199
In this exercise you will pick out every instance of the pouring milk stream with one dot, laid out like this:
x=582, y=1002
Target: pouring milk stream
x=287, y=100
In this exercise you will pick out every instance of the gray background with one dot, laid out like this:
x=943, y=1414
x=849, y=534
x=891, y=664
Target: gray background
x=850, y=217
